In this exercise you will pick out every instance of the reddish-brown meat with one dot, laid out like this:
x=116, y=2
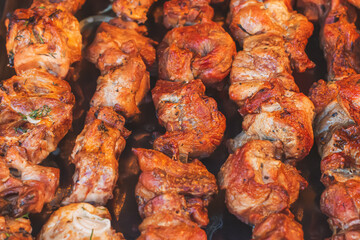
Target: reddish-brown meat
x=179, y=13
x=314, y=10
x=70, y=5
x=204, y=51
x=43, y=37
x=95, y=156
x=132, y=10
x=15, y=229
x=257, y=183
x=35, y=114
x=278, y=226
x=340, y=41
x=248, y=18
x=194, y=125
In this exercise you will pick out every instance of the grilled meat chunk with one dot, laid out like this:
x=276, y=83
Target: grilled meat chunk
x=132, y=10
x=15, y=229
x=278, y=226
x=95, y=156
x=36, y=113
x=257, y=183
x=70, y=5
x=80, y=221
x=203, y=51
x=179, y=13
x=248, y=18
x=194, y=125
x=43, y=37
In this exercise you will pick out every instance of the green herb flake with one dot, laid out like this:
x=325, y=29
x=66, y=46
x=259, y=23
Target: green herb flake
x=92, y=232
x=19, y=37
x=42, y=7
x=23, y=117
x=41, y=112
x=23, y=216
x=8, y=235
x=38, y=37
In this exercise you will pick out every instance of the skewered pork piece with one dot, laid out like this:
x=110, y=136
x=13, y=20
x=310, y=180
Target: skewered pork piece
x=131, y=10
x=257, y=183
x=95, y=156
x=15, y=229
x=204, y=51
x=337, y=122
x=172, y=196
x=70, y=5
x=43, y=37
x=249, y=18
x=278, y=226
x=36, y=113
x=340, y=41
x=179, y=13
x=194, y=125
x=80, y=221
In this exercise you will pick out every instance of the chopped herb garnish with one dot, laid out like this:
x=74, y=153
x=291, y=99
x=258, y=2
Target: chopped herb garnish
x=55, y=13
x=50, y=54
x=102, y=127
x=42, y=7
x=20, y=130
x=41, y=112
x=11, y=58
x=38, y=37
x=8, y=235
x=23, y=116
x=24, y=216
x=92, y=232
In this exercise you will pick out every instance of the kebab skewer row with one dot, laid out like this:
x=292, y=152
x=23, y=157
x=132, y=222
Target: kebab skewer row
x=36, y=106
x=259, y=180
x=173, y=194
x=337, y=122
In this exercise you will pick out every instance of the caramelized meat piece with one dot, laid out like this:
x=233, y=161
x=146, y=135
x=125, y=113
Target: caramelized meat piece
x=284, y=117
x=170, y=226
x=194, y=125
x=25, y=187
x=15, y=229
x=70, y=5
x=340, y=41
x=43, y=37
x=179, y=13
x=278, y=226
x=262, y=62
x=35, y=114
x=248, y=18
x=314, y=10
x=80, y=221
x=204, y=51
x=340, y=202
x=95, y=156
x=125, y=83
x=132, y=10
x=257, y=183
x=110, y=37
x=170, y=186
x=336, y=106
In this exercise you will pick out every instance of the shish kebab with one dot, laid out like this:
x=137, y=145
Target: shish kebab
x=259, y=178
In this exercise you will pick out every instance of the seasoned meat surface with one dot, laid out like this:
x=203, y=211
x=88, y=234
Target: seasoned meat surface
x=70, y=5
x=80, y=221
x=132, y=10
x=172, y=196
x=44, y=37
x=95, y=156
x=283, y=117
x=257, y=184
x=340, y=41
x=204, y=51
x=194, y=125
x=36, y=113
x=15, y=229
x=179, y=13
x=248, y=18
x=111, y=36
x=278, y=226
